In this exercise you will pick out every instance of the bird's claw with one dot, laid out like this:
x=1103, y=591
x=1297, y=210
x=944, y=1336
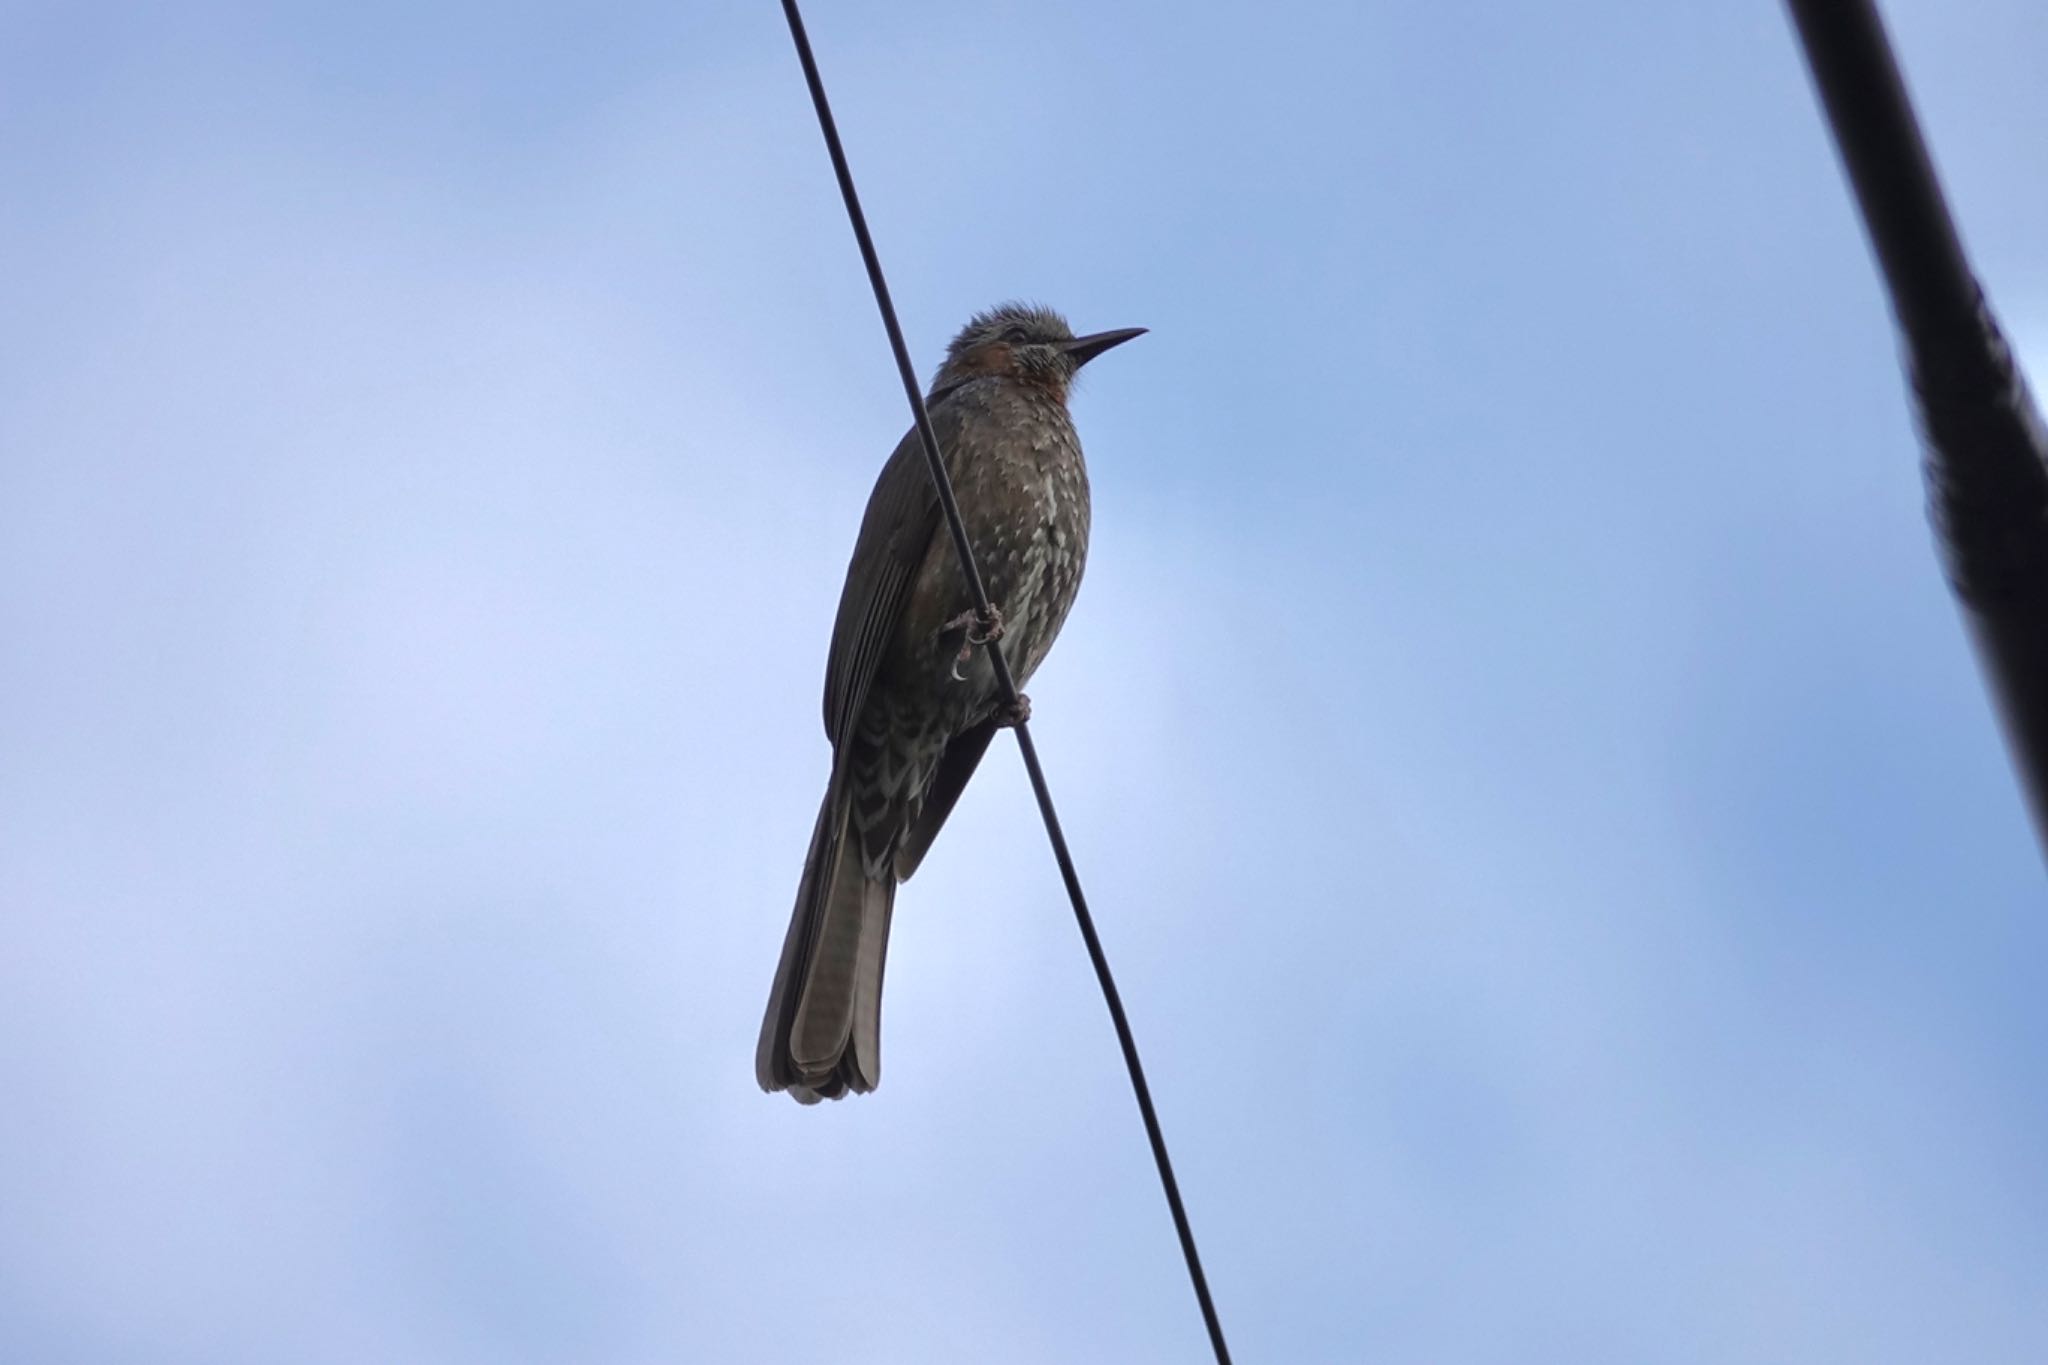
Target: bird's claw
x=1015, y=714
x=980, y=629
x=977, y=629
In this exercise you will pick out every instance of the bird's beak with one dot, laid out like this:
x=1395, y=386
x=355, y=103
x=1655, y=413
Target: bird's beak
x=1084, y=349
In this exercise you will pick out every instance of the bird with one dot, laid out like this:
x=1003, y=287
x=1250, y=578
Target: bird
x=911, y=700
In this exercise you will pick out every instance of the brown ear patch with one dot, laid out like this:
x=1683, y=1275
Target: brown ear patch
x=991, y=357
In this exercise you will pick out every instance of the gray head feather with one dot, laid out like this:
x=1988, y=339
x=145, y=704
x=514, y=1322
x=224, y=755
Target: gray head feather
x=1015, y=338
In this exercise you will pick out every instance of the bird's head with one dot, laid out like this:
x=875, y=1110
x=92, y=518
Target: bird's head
x=1025, y=342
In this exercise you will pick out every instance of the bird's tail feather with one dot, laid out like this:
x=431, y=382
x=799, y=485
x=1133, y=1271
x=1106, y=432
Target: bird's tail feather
x=822, y=1032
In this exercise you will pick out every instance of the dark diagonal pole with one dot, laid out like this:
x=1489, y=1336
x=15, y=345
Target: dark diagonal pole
x=1005, y=682
x=1986, y=450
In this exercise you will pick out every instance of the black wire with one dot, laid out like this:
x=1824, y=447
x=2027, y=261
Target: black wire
x=1006, y=684
x=1887, y=161
x=1985, y=443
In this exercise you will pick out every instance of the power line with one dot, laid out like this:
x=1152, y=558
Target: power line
x=1005, y=683
x=1985, y=442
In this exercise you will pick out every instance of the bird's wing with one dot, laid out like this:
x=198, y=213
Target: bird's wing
x=962, y=756
x=902, y=516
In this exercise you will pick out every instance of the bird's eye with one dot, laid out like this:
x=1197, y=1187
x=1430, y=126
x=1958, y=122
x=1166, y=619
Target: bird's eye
x=1015, y=335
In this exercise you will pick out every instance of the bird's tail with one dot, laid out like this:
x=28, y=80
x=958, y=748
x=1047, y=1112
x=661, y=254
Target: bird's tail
x=822, y=1033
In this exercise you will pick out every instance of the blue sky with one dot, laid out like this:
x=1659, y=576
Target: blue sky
x=1525, y=762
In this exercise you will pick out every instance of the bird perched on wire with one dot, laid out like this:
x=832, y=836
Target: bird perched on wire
x=911, y=701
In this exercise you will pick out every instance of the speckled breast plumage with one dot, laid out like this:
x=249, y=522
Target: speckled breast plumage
x=1022, y=485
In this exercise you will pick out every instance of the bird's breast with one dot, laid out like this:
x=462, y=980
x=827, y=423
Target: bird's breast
x=1023, y=491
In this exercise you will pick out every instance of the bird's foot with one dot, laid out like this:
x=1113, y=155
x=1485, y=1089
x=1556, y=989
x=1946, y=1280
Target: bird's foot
x=979, y=629
x=1015, y=714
